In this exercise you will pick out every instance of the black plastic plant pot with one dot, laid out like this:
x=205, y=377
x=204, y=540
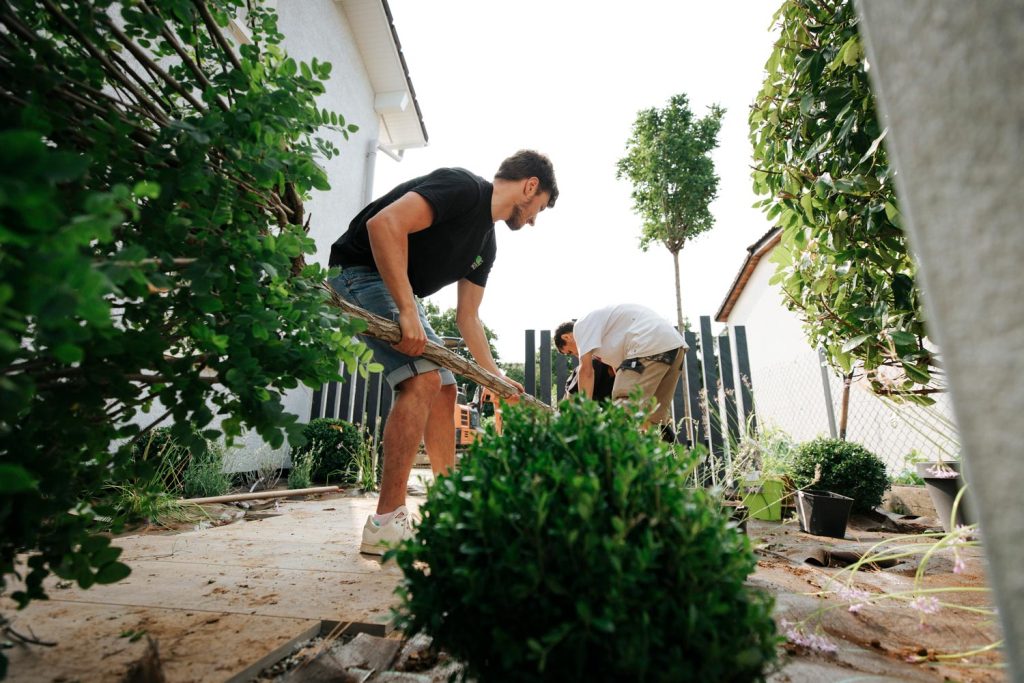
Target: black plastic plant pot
x=823, y=513
x=943, y=481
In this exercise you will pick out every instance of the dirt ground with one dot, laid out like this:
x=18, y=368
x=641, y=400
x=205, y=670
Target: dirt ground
x=925, y=615
x=883, y=638
x=279, y=595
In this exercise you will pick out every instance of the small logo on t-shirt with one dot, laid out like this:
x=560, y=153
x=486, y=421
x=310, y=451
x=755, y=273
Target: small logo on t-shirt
x=477, y=262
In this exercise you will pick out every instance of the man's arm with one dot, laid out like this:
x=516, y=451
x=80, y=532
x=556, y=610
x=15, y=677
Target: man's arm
x=587, y=374
x=468, y=319
x=389, y=232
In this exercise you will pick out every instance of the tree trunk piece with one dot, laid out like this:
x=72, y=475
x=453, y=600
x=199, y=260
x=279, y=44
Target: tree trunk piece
x=389, y=331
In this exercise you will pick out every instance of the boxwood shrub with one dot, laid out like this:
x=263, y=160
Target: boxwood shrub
x=332, y=445
x=571, y=549
x=847, y=468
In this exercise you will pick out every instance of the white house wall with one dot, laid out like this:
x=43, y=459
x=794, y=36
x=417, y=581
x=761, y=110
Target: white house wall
x=318, y=28
x=784, y=369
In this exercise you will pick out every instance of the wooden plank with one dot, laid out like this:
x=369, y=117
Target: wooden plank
x=386, y=400
x=679, y=412
x=373, y=401
x=728, y=389
x=710, y=364
x=561, y=375
x=317, y=406
x=695, y=428
x=359, y=401
x=344, y=409
x=343, y=662
x=545, y=366
x=91, y=648
x=330, y=405
x=746, y=382
x=530, y=364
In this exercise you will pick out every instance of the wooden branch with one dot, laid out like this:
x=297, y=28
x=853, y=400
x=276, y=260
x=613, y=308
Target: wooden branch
x=389, y=331
x=184, y=56
x=215, y=33
x=144, y=82
x=175, y=263
x=109, y=66
x=150, y=65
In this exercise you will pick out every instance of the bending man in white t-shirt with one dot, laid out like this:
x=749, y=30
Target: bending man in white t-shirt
x=644, y=348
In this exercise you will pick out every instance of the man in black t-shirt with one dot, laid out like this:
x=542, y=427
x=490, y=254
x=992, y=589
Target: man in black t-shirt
x=425, y=234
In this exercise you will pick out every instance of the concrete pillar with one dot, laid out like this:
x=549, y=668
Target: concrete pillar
x=949, y=78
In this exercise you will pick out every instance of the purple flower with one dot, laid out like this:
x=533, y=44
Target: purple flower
x=941, y=471
x=812, y=641
x=926, y=604
x=855, y=596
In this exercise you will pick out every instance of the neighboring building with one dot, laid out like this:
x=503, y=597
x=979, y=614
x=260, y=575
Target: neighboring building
x=789, y=385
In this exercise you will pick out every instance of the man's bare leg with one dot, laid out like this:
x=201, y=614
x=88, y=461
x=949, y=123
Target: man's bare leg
x=439, y=437
x=402, y=435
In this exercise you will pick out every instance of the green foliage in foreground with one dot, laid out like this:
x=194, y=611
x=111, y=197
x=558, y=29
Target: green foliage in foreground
x=571, y=549
x=151, y=253
x=842, y=467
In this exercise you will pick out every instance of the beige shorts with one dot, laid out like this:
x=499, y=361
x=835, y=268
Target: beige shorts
x=656, y=376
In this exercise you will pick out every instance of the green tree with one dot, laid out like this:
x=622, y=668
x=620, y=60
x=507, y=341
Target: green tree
x=151, y=249
x=444, y=324
x=668, y=161
x=843, y=262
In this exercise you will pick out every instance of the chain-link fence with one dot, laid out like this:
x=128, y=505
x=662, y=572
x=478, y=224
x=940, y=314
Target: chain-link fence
x=803, y=399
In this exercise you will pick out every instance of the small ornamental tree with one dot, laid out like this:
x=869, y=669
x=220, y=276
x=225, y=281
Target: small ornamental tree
x=570, y=548
x=843, y=262
x=668, y=160
x=151, y=249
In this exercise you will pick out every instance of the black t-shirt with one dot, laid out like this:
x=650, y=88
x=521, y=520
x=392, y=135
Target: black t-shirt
x=458, y=244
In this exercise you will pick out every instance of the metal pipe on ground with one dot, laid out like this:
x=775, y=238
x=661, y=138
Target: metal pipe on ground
x=256, y=495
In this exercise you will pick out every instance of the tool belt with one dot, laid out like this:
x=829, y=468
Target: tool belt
x=639, y=363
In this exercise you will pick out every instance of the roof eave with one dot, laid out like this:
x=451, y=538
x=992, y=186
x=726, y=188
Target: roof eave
x=377, y=41
x=755, y=252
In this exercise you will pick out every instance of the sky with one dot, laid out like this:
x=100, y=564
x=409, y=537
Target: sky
x=567, y=78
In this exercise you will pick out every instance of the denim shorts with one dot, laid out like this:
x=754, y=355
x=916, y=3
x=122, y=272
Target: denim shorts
x=364, y=287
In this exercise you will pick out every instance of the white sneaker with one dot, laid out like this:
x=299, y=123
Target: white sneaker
x=378, y=539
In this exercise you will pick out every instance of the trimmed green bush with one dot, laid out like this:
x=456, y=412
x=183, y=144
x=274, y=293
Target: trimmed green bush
x=847, y=468
x=571, y=549
x=332, y=445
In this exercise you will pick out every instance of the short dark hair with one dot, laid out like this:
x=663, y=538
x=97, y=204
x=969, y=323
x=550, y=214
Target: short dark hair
x=529, y=164
x=564, y=328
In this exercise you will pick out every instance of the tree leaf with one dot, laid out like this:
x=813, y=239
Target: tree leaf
x=16, y=479
x=112, y=572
